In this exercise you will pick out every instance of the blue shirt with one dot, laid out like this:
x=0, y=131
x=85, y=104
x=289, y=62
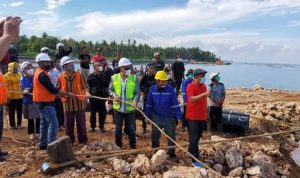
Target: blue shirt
x=163, y=103
x=217, y=93
x=27, y=83
x=185, y=83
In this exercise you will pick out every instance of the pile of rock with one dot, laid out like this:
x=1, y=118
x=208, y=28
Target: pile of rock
x=287, y=112
x=98, y=146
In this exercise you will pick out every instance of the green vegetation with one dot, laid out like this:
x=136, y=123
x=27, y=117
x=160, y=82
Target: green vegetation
x=30, y=46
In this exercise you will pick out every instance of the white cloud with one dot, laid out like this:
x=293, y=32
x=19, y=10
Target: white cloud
x=53, y=4
x=294, y=23
x=41, y=12
x=15, y=4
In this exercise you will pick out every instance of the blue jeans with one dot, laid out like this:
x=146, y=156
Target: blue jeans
x=48, y=123
x=169, y=126
x=195, y=128
x=129, y=120
x=1, y=121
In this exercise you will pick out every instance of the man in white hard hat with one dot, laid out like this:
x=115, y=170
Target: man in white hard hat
x=157, y=63
x=45, y=50
x=125, y=86
x=44, y=95
x=72, y=81
x=216, y=100
x=61, y=51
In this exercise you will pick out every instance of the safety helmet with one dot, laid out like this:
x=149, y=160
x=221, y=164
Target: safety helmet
x=161, y=75
x=58, y=45
x=66, y=60
x=124, y=62
x=44, y=49
x=24, y=65
x=42, y=57
x=212, y=75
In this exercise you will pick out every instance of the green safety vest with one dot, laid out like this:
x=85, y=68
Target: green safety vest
x=129, y=91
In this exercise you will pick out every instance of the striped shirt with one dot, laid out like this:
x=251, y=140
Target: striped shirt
x=73, y=104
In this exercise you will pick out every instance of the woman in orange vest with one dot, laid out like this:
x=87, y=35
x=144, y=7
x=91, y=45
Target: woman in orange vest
x=74, y=106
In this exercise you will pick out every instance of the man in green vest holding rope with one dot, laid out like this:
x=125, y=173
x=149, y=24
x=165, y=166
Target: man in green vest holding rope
x=125, y=87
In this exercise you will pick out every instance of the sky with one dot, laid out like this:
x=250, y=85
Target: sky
x=258, y=31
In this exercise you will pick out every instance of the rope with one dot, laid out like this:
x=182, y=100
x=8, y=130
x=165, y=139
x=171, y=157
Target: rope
x=173, y=141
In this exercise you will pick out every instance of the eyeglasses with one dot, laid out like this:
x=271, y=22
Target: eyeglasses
x=127, y=68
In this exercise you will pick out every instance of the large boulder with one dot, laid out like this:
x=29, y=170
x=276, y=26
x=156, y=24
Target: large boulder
x=265, y=163
x=141, y=165
x=186, y=172
x=158, y=159
x=234, y=158
x=120, y=165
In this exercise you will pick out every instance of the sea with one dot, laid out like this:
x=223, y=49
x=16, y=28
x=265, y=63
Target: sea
x=271, y=76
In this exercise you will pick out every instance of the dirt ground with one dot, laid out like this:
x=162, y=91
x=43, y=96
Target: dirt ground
x=238, y=99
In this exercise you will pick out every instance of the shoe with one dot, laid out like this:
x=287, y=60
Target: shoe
x=92, y=130
x=2, y=158
x=102, y=130
x=19, y=127
x=3, y=153
x=197, y=164
x=43, y=147
x=13, y=127
x=31, y=137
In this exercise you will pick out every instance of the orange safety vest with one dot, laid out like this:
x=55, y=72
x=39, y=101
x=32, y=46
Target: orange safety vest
x=76, y=85
x=40, y=93
x=3, y=91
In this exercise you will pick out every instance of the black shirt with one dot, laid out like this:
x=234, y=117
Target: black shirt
x=158, y=65
x=62, y=54
x=146, y=82
x=178, y=70
x=85, y=60
x=115, y=65
x=99, y=83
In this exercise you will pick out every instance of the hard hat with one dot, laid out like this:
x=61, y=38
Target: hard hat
x=66, y=60
x=43, y=49
x=58, y=45
x=124, y=62
x=24, y=65
x=161, y=75
x=212, y=75
x=42, y=57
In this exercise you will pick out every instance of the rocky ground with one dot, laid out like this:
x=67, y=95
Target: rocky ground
x=271, y=111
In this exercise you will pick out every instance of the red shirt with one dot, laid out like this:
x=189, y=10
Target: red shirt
x=196, y=110
x=98, y=58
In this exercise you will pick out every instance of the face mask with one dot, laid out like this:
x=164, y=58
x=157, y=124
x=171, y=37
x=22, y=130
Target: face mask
x=30, y=72
x=202, y=80
x=47, y=67
x=128, y=72
x=190, y=76
x=217, y=78
x=70, y=68
x=179, y=59
x=169, y=76
x=15, y=70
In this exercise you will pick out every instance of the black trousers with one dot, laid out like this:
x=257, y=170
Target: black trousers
x=178, y=85
x=59, y=111
x=13, y=106
x=97, y=106
x=34, y=126
x=144, y=124
x=215, y=117
x=195, y=128
x=183, y=122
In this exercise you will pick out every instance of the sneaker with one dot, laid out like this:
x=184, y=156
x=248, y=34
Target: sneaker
x=19, y=127
x=102, y=130
x=197, y=164
x=13, y=127
x=41, y=147
x=31, y=137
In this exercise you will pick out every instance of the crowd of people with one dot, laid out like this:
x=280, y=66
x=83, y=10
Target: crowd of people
x=54, y=95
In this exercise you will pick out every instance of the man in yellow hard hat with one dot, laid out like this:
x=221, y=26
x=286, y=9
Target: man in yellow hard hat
x=162, y=105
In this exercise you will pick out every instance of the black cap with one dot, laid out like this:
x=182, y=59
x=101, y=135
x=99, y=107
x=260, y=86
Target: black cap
x=190, y=71
x=199, y=71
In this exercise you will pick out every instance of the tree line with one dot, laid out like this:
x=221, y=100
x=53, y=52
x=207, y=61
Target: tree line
x=30, y=46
